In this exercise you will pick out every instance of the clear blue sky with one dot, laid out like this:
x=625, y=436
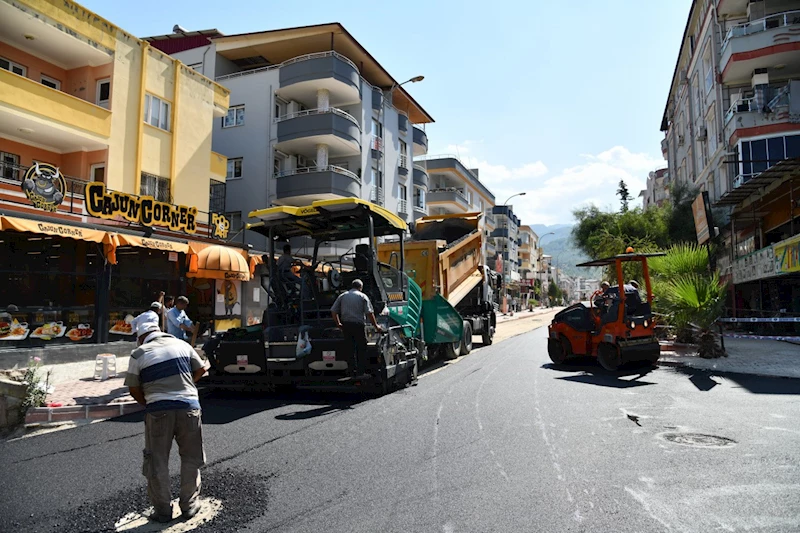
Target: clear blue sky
x=560, y=99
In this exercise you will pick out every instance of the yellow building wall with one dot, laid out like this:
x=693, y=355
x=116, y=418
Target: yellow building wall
x=160, y=75
x=156, y=151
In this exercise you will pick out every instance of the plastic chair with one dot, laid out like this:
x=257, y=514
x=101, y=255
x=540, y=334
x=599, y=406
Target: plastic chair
x=105, y=366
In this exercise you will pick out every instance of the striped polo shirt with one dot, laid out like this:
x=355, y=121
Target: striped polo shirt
x=353, y=307
x=163, y=367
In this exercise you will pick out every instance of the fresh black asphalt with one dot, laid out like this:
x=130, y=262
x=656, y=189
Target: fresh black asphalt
x=502, y=441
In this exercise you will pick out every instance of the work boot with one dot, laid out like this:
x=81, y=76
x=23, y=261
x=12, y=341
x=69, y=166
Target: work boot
x=160, y=518
x=189, y=513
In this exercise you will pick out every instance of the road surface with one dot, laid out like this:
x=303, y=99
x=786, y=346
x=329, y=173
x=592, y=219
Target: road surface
x=500, y=441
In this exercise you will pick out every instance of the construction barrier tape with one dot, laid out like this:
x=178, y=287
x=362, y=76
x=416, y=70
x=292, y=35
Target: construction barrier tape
x=756, y=319
x=762, y=337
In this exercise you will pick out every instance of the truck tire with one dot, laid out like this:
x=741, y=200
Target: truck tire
x=466, y=339
x=488, y=336
x=451, y=350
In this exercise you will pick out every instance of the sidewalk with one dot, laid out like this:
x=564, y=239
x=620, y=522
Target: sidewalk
x=526, y=314
x=745, y=356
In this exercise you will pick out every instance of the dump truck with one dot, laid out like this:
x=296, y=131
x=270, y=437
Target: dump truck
x=445, y=258
x=267, y=355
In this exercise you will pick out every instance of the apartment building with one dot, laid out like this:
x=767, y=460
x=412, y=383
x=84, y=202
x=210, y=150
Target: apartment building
x=313, y=116
x=106, y=173
x=528, y=253
x=454, y=188
x=657, y=191
x=507, y=240
x=732, y=129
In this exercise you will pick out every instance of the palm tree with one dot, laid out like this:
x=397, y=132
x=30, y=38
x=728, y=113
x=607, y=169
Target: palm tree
x=697, y=300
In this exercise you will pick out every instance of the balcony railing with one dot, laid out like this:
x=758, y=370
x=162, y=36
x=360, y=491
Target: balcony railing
x=778, y=20
x=297, y=59
x=319, y=111
x=458, y=192
x=771, y=100
x=376, y=143
x=311, y=170
x=402, y=206
x=402, y=161
x=10, y=172
x=376, y=195
x=419, y=208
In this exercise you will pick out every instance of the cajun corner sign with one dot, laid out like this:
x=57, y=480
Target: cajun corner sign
x=45, y=186
x=144, y=210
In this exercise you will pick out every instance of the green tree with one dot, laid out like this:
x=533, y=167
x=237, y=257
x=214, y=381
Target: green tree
x=698, y=301
x=624, y=195
x=681, y=219
x=554, y=292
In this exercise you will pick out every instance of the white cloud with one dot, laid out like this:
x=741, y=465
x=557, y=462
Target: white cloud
x=551, y=197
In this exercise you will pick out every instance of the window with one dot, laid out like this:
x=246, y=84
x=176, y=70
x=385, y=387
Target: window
x=235, y=117
x=196, y=67
x=419, y=198
x=377, y=128
x=97, y=172
x=156, y=112
x=9, y=166
x=51, y=82
x=402, y=192
x=216, y=199
x=403, y=148
x=759, y=155
x=377, y=177
x=707, y=68
x=103, y=92
x=236, y=221
x=469, y=197
x=277, y=166
x=234, y=168
x=16, y=68
x=711, y=124
x=155, y=186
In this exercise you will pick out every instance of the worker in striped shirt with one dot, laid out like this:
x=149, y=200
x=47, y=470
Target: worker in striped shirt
x=350, y=312
x=161, y=375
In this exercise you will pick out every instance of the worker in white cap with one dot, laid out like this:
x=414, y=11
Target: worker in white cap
x=151, y=316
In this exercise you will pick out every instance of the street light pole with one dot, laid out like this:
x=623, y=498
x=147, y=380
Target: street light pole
x=508, y=238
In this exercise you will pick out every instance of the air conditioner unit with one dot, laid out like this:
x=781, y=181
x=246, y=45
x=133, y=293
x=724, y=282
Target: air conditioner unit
x=702, y=134
x=302, y=161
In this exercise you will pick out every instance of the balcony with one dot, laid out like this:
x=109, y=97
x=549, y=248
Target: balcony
x=301, y=132
x=402, y=165
x=219, y=166
x=664, y=148
x=376, y=146
x=420, y=141
x=376, y=195
x=38, y=114
x=450, y=198
x=402, y=207
x=305, y=185
x=747, y=117
x=420, y=176
x=301, y=78
x=402, y=123
x=489, y=220
x=744, y=185
x=773, y=41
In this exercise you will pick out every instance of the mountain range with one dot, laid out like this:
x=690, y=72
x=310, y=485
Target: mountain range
x=556, y=241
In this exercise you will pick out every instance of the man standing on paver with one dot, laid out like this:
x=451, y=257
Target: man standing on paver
x=350, y=312
x=162, y=373
x=178, y=323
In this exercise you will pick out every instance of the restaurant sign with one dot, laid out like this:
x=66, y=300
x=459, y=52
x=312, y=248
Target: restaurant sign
x=757, y=265
x=221, y=225
x=144, y=210
x=45, y=186
x=787, y=256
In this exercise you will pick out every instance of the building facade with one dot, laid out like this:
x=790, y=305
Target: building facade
x=507, y=240
x=106, y=172
x=732, y=129
x=657, y=191
x=313, y=116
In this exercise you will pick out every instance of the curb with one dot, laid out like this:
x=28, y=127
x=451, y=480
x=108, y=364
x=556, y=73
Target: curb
x=520, y=316
x=38, y=415
x=721, y=373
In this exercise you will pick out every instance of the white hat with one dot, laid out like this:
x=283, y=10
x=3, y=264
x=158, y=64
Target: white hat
x=155, y=305
x=145, y=323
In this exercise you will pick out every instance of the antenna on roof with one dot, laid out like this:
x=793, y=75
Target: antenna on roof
x=178, y=29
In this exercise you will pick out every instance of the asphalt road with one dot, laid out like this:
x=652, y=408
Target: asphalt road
x=501, y=441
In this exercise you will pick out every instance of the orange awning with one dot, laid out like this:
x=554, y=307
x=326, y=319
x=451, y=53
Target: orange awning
x=220, y=262
x=57, y=229
x=153, y=244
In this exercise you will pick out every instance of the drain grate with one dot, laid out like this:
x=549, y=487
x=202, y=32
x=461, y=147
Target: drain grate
x=700, y=440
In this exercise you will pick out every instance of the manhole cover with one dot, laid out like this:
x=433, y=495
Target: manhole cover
x=698, y=439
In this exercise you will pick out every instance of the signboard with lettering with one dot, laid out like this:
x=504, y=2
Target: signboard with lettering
x=787, y=255
x=701, y=210
x=758, y=265
x=144, y=210
x=45, y=186
x=221, y=225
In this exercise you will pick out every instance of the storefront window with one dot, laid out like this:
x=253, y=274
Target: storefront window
x=52, y=286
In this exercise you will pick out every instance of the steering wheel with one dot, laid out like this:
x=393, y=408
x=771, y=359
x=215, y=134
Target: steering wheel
x=334, y=276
